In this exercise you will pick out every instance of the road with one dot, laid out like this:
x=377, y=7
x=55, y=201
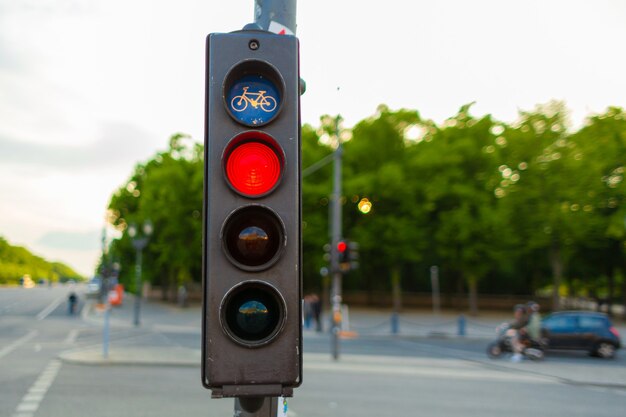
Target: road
x=375, y=376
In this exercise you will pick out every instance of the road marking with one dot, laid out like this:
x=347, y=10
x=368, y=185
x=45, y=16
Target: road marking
x=72, y=336
x=53, y=305
x=30, y=402
x=19, y=342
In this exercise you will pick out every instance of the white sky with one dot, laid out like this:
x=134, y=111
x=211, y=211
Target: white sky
x=90, y=87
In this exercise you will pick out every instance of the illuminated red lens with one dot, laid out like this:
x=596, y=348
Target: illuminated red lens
x=253, y=168
x=342, y=246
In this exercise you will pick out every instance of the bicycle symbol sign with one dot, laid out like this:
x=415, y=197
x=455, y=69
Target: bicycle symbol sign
x=257, y=100
x=253, y=100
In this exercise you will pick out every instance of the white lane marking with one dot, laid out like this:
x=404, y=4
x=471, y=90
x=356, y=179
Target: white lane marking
x=51, y=307
x=71, y=337
x=25, y=406
x=85, y=311
x=33, y=397
x=30, y=402
x=19, y=342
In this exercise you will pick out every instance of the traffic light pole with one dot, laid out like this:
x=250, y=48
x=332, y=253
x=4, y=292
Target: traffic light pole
x=269, y=15
x=281, y=12
x=334, y=253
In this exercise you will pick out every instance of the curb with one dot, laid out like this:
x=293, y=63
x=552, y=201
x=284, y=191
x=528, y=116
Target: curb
x=177, y=357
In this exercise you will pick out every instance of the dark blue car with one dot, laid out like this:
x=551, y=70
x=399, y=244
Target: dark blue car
x=582, y=330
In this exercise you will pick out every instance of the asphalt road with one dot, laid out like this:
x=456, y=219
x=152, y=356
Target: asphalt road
x=375, y=376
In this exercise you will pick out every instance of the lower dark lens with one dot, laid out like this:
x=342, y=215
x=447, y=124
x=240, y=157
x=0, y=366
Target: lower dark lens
x=253, y=314
x=253, y=237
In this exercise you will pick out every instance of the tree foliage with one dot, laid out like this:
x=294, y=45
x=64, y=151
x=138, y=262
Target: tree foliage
x=501, y=208
x=16, y=261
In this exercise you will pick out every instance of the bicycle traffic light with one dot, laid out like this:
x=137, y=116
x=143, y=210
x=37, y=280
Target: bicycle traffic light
x=252, y=332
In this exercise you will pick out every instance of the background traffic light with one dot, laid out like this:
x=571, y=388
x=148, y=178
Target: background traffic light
x=348, y=255
x=252, y=334
x=342, y=250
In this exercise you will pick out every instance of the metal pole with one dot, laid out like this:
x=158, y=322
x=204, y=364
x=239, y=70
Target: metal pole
x=434, y=281
x=138, y=286
x=271, y=14
x=105, y=331
x=335, y=238
x=257, y=407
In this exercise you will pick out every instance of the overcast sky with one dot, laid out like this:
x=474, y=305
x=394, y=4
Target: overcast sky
x=88, y=88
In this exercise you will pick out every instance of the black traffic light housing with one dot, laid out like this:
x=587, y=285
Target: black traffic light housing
x=252, y=332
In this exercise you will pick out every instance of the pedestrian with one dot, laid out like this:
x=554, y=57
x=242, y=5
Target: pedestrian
x=316, y=306
x=72, y=300
x=307, y=311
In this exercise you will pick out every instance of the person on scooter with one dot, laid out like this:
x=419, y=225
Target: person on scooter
x=533, y=329
x=520, y=321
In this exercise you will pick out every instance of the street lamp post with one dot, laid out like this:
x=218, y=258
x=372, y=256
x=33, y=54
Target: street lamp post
x=140, y=241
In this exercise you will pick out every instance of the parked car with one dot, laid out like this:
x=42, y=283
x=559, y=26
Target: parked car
x=582, y=330
x=93, y=287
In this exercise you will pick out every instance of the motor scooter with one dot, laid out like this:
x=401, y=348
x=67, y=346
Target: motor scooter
x=533, y=349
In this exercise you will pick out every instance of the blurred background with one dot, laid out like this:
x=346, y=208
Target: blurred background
x=497, y=153
x=483, y=147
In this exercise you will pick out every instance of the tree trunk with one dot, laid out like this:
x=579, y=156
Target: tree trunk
x=611, y=285
x=556, y=263
x=472, y=283
x=163, y=280
x=624, y=291
x=614, y=253
x=396, y=289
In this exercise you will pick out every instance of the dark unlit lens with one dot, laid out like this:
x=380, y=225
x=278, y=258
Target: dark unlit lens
x=253, y=237
x=253, y=314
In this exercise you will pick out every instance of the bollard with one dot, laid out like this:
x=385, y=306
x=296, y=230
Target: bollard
x=461, y=323
x=395, y=323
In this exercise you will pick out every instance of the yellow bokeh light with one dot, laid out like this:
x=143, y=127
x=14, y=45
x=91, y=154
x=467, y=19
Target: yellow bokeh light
x=365, y=206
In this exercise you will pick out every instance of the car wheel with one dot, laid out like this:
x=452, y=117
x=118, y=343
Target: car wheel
x=605, y=350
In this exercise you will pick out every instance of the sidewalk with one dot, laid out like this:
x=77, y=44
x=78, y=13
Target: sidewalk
x=147, y=345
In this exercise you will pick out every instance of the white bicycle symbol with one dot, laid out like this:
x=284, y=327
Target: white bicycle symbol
x=240, y=103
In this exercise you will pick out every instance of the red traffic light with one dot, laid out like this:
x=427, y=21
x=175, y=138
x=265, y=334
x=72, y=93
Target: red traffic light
x=342, y=246
x=253, y=166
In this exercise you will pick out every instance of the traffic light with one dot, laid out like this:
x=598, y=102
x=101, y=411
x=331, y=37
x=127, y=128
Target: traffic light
x=348, y=255
x=252, y=333
x=353, y=255
x=342, y=251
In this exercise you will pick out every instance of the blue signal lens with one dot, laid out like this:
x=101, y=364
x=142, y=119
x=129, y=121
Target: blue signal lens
x=253, y=100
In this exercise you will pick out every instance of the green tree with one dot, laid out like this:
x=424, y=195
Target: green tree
x=375, y=167
x=316, y=188
x=600, y=150
x=167, y=190
x=459, y=169
x=544, y=186
x=16, y=261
